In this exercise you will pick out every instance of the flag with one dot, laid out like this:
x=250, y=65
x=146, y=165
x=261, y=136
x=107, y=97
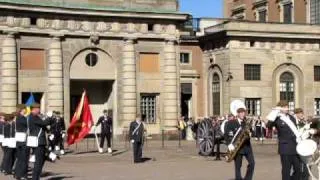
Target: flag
x=81, y=122
x=28, y=104
x=42, y=104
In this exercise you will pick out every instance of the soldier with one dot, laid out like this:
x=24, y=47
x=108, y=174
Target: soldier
x=9, y=135
x=286, y=126
x=38, y=129
x=136, y=133
x=58, y=131
x=106, y=130
x=2, y=124
x=23, y=151
x=231, y=129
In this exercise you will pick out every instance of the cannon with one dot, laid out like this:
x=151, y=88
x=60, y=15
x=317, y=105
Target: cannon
x=205, y=137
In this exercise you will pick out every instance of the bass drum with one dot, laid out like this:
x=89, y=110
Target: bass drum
x=307, y=149
x=205, y=137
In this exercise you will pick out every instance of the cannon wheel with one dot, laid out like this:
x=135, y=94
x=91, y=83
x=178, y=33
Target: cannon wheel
x=205, y=138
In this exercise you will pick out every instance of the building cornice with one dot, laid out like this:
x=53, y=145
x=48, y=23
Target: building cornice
x=92, y=12
x=270, y=30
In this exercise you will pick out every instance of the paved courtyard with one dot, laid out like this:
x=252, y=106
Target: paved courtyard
x=169, y=163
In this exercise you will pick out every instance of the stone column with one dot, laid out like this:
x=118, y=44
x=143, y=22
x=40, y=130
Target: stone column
x=170, y=95
x=55, y=76
x=128, y=95
x=9, y=84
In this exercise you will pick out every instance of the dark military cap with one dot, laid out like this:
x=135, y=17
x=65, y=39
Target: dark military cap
x=57, y=112
x=105, y=111
x=2, y=113
x=8, y=117
x=35, y=105
x=298, y=110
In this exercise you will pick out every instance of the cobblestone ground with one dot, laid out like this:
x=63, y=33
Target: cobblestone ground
x=169, y=163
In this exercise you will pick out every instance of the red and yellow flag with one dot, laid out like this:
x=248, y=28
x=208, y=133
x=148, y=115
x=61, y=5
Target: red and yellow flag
x=81, y=122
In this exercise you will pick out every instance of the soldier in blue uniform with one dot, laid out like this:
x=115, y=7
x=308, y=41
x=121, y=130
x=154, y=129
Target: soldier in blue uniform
x=106, y=130
x=23, y=151
x=58, y=133
x=287, y=140
x=38, y=129
x=136, y=134
x=245, y=150
x=2, y=124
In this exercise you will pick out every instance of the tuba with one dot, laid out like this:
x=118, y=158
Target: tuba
x=242, y=134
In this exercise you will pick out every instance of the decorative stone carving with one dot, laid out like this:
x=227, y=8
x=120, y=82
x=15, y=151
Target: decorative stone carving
x=25, y=22
x=43, y=23
x=94, y=40
x=87, y=26
x=102, y=26
x=57, y=24
x=144, y=28
x=13, y=21
x=115, y=27
x=130, y=27
x=171, y=29
x=157, y=28
x=73, y=25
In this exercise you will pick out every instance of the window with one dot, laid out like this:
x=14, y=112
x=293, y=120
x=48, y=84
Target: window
x=263, y=16
x=184, y=58
x=216, y=94
x=314, y=11
x=316, y=73
x=287, y=13
x=32, y=59
x=149, y=63
x=287, y=89
x=252, y=71
x=91, y=59
x=36, y=95
x=148, y=108
x=253, y=106
x=150, y=27
x=317, y=106
x=33, y=21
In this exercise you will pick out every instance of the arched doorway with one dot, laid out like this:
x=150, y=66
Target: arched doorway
x=216, y=94
x=287, y=89
x=94, y=70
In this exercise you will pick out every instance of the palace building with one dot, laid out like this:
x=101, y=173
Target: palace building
x=125, y=54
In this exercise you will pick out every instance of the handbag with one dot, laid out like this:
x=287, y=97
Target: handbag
x=21, y=136
x=2, y=136
x=33, y=141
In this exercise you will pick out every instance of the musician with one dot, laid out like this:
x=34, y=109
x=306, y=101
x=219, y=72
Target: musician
x=38, y=129
x=58, y=131
x=136, y=134
x=2, y=124
x=9, y=135
x=286, y=126
x=218, y=135
x=23, y=151
x=106, y=130
x=245, y=150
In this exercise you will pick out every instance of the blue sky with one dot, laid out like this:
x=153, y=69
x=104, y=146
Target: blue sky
x=202, y=8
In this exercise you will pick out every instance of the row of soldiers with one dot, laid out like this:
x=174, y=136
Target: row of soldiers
x=22, y=135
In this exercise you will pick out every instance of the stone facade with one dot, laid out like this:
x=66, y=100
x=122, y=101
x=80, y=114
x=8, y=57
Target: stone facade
x=277, y=48
x=67, y=39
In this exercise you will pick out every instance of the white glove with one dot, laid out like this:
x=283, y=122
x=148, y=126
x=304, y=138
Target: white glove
x=63, y=135
x=231, y=147
x=305, y=135
x=307, y=126
x=299, y=139
x=51, y=137
x=132, y=141
x=312, y=131
x=49, y=114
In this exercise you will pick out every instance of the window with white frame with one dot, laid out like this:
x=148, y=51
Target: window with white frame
x=314, y=11
x=287, y=89
x=287, y=12
x=148, y=108
x=185, y=58
x=317, y=106
x=253, y=106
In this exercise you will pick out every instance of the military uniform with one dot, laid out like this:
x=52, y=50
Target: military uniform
x=106, y=130
x=245, y=150
x=136, y=136
x=23, y=151
x=287, y=148
x=38, y=128
x=57, y=130
x=9, y=152
x=2, y=124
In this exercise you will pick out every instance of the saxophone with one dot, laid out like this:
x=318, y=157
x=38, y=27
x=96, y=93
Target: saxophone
x=240, y=137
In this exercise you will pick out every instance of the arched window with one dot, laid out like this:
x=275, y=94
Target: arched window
x=287, y=89
x=216, y=94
